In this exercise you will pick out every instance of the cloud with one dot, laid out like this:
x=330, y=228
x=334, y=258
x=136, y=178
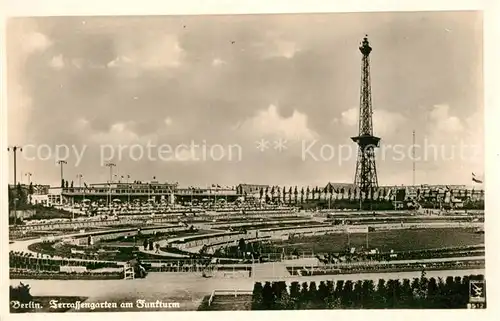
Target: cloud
x=118, y=133
x=281, y=48
x=119, y=61
x=349, y=117
x=218, y=62
x=387, y=123
x=77, y=63
x=57, y=62
x=270, y=122
x=35, y=42
x=444, y=122
x=160, y=53
x=384, y=122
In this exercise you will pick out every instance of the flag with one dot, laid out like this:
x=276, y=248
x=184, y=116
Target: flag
x=476, y=179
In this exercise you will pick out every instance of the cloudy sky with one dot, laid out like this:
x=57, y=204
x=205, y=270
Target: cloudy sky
x=113, y=86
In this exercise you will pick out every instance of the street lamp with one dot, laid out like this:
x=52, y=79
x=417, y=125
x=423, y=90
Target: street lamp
x=61, y=163
x=135, y=238
x=14, y=150
x=110, y=165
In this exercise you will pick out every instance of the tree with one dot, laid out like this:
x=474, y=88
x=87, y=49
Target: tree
x=71, y=184
x=242, y=246
x=323, y=292
x=67, y=184
x=283, y=301
x=358, y=300
x=432, y=294
x=302, y=195
x=304, y=295
x=261, y=193
x=11, y=197
x=295, y=294
x=406, y=298
x=257, y=296
x=380, y=295
x=62, y=183
x=313, y=296
x=368, y=294
x=295, y=193
x=347, y=297
x=21, y=195
x=337, y=294
x=268, y=298
x=20, y=294
x=307, y=193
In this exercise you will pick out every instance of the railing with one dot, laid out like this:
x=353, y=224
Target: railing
x=228, y=292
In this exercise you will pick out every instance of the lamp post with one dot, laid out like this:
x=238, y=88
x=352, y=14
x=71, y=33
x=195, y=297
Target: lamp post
x=79, y=176
x=135, y=238
x=128, y=190
x=110, y=165
x=29, y=177
x=29, y=183
x=61, y=164
x=14, y=150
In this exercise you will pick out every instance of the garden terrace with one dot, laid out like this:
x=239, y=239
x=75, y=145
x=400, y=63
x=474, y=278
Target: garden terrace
x=47, y=275
x=26, y=261
x=325, y=229
x=357, y=213
x=244, y=219
x=215, y=246
x=409, y=219
x=410, y=255
x=114, y=234
x=86, y=223
x=192, y=241
x=457, y=263
x=124, y=240
x=269, y=224
x=384, y=241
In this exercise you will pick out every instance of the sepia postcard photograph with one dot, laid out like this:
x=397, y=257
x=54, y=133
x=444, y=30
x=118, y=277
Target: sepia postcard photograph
x=245, y=162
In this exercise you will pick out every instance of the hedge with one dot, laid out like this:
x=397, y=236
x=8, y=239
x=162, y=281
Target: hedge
x=420, y=293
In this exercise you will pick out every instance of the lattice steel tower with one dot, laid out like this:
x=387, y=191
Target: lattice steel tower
x=366, y=172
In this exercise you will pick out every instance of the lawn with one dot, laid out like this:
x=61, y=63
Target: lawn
x=397, y=240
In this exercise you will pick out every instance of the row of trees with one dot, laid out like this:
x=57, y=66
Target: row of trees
x=421, y=293
x=294, y=195
x=19, y=195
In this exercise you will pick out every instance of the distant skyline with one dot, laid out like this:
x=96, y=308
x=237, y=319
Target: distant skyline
x=277, y=82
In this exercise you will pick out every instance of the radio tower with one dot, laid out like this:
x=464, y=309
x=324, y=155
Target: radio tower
x=366, y=173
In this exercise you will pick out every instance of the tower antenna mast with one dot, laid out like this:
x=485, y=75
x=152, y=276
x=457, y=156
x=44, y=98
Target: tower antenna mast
x=365, y=178
x=413, y=159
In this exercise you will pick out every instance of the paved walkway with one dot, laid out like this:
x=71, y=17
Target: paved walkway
x=188, y=288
